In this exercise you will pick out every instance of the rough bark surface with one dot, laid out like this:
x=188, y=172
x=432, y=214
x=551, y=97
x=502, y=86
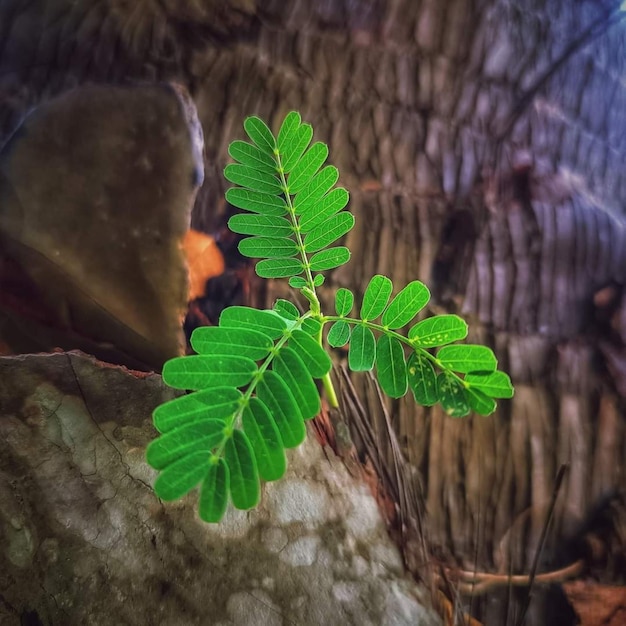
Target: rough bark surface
x=483, y=144
x=84, y=540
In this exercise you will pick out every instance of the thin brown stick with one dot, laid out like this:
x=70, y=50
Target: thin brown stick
x=542, y=539
x=477, y=583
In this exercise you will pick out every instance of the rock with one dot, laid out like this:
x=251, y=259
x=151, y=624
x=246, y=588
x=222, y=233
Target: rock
x=84, y=540
x=96, y=190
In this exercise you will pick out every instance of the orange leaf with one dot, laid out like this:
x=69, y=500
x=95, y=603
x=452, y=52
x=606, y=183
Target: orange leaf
x=447, y=611
x=597, y=604
x=204, y=260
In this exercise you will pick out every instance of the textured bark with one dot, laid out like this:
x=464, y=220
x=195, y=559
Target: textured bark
x=483, y=144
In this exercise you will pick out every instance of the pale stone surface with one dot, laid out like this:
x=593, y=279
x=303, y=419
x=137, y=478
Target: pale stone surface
x=253, y=607
x=296, y=500
x=78, y=515
x=274, y=539
x=302, y=551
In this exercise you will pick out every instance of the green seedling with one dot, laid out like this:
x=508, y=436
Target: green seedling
x=252, y=382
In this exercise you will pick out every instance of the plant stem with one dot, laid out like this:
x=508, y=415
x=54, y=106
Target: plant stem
x=311, y=296
x=330, y=391
x=329, y=388
x=296, y=227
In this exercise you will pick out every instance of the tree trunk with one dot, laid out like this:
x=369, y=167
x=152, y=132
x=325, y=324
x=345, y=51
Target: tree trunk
x=483, y=145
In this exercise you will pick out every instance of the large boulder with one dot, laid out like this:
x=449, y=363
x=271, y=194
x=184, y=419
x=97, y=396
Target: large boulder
x=84, y=540
x=96, y=191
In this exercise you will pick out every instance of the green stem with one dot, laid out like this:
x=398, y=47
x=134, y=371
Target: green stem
x=296, y=226
x=310, y=293
x=329, y=388
x=330, y=391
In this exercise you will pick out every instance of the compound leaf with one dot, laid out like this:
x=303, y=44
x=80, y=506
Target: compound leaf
x=329, y=231
x=275, y=394
x=362, y=351
x=214, y=492
x=199, y=371
x=289, y=366
x=344, y=301
x=495, y=384
x=438, y=331
x=256, y=201
x=252, y=179
x=245, y=317
x=201, y=435
x=313, y=356
x=318, y=210
x=268, y=247
x=217, y=403
x=252, y=156
x=391, y=366
x=467, y=358
x=307, y=166
x=268, y=225
x=422, y=379
x=278, y=268
x=376, y=297
x=480, y=403
x=329, y=259
x=266, y=442
x=244, y=475
x=339, y=334
x=452, y=395
x=262, y=136
x=231, y=341
x=406, y=305
x=202, y=440
x=182, y=476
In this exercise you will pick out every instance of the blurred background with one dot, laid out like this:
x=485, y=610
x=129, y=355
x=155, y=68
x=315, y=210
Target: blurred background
x=483, y=143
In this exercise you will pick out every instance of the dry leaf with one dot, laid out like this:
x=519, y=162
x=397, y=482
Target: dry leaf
x=204, y=261
x=446, y=610
x=596, y=604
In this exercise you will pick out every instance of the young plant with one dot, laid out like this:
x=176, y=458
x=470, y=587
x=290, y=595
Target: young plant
x=252, y=379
